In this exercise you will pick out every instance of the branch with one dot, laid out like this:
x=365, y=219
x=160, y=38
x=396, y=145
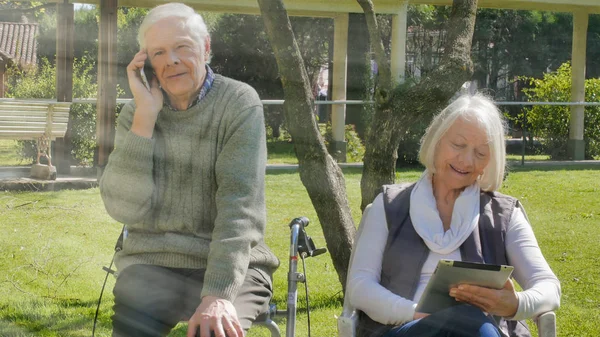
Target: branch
x=63, y=208
x=27, y=10
x=27, y=203
x=19, y=288
x=384, y=75
x=294, y=77
x=320, y=175
x=66, y=277
x=408, y=104
x=460, y=29
x=454, y=69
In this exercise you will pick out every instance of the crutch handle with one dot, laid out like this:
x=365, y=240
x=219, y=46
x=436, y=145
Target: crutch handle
x=302, y=221
x=318, y=252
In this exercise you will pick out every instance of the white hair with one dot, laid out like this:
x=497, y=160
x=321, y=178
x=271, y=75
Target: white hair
x=191, y=20
x=473, y=108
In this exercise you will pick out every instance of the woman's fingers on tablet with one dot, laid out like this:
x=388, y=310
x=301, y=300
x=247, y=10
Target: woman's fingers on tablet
x=503, y=302
x=482, y=298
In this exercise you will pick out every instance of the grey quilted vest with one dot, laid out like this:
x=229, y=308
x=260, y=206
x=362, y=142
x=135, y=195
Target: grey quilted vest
x=405, y=252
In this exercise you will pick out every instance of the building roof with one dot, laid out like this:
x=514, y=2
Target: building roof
x=18, y=42
x=331, y=7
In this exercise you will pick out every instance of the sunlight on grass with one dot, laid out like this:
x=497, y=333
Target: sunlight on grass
x=280, y=152
x=54, y=245
x=9, y=153
x=529, y=157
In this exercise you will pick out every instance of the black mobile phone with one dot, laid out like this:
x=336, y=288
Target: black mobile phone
x=147, y=73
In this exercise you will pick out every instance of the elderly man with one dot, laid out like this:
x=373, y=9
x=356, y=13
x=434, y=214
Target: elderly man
x=187, y=180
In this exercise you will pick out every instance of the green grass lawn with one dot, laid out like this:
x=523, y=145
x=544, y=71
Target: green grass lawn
x=282, y=152
x=279, y=152
x=54, y=244
x=532, y=157
x=9, y=153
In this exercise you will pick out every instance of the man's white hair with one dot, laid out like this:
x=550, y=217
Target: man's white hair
x=191, y=20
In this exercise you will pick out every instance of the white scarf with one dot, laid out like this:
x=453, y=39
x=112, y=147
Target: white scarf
x=428, y=224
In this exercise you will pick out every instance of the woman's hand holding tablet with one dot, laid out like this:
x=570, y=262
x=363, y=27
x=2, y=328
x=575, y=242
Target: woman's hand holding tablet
x=486, y=286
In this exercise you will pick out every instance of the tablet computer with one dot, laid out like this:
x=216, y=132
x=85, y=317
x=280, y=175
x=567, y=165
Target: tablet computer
x=449, y=273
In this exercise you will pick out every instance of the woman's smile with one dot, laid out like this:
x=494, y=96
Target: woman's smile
x=459, y=171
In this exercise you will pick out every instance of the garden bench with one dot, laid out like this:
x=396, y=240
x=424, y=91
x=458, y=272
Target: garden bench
x=34, y=120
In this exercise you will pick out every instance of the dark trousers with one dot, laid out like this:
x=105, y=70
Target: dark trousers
x=151, y=300
x=458, y=321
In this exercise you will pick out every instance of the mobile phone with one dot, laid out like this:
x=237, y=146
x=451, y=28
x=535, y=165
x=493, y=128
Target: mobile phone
x=147, y=73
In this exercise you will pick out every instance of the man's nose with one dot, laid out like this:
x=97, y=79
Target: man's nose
x=173, y=59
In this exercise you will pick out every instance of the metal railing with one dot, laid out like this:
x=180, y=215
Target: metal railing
x=524, y=120
x=281, y=101
x=345, y=102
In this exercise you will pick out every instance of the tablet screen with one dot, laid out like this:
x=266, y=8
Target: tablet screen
x=449, y=273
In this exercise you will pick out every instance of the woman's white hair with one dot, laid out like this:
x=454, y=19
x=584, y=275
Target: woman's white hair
x=191, y=20
x=473, y=108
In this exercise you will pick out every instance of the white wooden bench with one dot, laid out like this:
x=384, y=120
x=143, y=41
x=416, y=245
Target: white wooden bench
x=34, y=120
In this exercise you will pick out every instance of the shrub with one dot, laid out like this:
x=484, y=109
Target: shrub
x=551, y=123
x=355, y=150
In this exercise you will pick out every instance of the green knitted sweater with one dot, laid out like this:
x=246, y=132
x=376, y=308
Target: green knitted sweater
x=193, y=196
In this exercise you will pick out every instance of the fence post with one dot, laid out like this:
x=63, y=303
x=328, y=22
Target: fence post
x=524, y=130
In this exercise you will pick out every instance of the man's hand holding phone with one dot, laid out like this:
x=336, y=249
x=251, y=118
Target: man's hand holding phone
x=147, y=69
x=148, y=99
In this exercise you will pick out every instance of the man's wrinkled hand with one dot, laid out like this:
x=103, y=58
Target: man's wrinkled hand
x=216, y=315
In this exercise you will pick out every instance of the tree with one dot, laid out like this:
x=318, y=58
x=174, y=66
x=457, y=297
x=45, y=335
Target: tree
x=396, y=108
x=511, y=43
x=399, y=107
x=22, y=11
x=128, y=24
x=85, y=44
x=321, y=176
x=593, y=47
x=241, y=50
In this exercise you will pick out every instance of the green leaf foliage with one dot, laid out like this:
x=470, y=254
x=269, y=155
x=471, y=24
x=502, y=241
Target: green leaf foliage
x=551, y=123
x=241, y=50
x=281, y=151
x=355, y=150
x=17, y=11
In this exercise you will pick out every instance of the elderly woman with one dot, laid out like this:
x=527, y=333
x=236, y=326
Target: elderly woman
x=187, y=179
x=452, y=212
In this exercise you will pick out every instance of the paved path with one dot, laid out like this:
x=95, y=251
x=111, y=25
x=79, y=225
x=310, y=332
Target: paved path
x=61, y=183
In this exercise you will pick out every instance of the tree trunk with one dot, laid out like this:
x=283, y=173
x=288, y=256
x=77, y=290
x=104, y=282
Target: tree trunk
x=384, y=82
x=407, y=104
x=321, y=176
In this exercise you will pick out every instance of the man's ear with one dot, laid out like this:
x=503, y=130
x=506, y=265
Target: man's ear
x=207, y=47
